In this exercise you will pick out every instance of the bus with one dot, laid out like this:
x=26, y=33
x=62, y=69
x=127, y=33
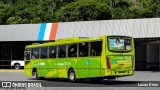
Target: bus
x=94, y=58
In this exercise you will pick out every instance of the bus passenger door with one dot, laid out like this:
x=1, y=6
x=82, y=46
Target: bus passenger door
x=94, y=67
x=95, y=59
x=83, y=67
x=83, y=60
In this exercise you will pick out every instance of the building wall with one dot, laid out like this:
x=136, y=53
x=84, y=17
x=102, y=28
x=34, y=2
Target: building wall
x=19, y=32
x=137, y=28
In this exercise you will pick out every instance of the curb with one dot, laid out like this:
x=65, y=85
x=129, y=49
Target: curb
x=9, y=70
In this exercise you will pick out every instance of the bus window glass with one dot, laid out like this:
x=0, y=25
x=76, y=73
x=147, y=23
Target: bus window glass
x=120, y=44
x=83, y=49
x=44, y=52
x=127, y=43
x=72, y=50
x=52, y=52
x=27, y=54
x=95, y=48
x=35, y=53
x=62, y=51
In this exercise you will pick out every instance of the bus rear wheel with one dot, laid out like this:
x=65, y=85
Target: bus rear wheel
x=72, y=75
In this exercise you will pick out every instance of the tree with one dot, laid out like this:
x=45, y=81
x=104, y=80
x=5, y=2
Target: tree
x=39, y=11
x=121, y=10
x=3, y=11
x=84, y=10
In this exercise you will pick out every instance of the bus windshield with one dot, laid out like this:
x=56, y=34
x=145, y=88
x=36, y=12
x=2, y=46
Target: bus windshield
x=119, y=43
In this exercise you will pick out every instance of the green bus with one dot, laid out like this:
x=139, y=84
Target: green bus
x=95, y=58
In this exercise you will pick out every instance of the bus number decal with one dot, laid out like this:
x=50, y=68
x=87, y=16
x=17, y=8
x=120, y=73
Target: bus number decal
x=41, y=63
x=62, y=64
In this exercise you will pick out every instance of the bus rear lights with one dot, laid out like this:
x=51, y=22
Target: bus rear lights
x=108, y=63
x=133, y=62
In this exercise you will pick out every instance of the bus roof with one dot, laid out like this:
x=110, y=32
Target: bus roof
x=68, y=41
x=65, y=41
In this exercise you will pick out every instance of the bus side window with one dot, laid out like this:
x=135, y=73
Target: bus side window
x=44, y=52
x=72, y=50
x=52, y=52
x=95, y=48
x=83, y=49
x=62, y=51
x=35, y=53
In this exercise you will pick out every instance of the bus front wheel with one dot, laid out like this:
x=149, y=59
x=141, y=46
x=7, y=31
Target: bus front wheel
x=72, y=75
x=37, y=77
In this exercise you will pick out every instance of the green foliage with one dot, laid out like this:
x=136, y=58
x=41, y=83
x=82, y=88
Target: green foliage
x=39, y=11
x=83, y=10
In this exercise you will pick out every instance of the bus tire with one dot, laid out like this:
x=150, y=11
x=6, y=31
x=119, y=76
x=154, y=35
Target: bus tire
x=72, y=75
x=37, y=77
x=17, y=66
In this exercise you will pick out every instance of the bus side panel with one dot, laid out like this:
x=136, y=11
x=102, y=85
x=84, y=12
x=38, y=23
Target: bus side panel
x=94, y=67
x=52, y=68
x=62, y=72
x=35, y=64
x=43, y=65
x=28, y=68
x=71, y=63
x=83, y=67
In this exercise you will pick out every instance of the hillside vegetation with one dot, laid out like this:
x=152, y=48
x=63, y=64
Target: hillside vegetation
x=44, y=11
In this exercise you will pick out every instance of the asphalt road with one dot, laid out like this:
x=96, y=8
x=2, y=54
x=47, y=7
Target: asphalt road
x=124, y=82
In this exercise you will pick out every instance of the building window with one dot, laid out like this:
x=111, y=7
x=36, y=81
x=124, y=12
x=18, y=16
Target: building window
x=95, y=48
x=52, y=52
x=83, y=49
x=44, y=52
x=72, y=50
x=62, y=51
